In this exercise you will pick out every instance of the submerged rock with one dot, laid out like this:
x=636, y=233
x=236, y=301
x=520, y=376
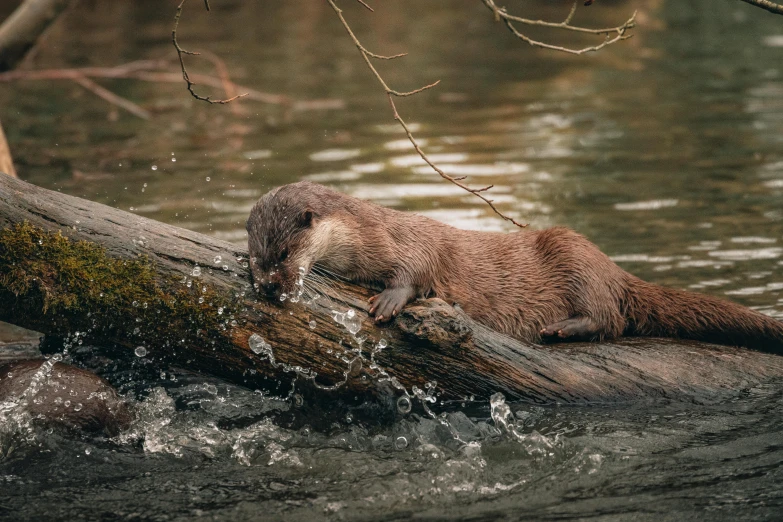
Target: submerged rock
x=60, y=395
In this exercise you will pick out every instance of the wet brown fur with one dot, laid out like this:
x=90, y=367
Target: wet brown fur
x=526, y=284
x=101, y=410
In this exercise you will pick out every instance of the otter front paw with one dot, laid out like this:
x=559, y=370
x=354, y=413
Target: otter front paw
x=577, y=328
x=387, y=304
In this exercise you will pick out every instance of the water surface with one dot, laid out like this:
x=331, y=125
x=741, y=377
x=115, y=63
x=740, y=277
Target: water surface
x=666, y=151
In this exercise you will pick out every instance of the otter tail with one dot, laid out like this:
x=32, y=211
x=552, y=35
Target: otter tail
x=656, y=311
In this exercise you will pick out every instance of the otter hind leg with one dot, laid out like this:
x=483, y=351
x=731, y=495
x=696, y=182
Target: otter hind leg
x=578, y=328
x=387, y=304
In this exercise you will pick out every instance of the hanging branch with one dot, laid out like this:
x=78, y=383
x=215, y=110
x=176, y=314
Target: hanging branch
x=391, y=93
x=613, y=34
x=766, y=5
x=180, y=54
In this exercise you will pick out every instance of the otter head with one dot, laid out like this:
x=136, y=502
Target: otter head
x=291, y=228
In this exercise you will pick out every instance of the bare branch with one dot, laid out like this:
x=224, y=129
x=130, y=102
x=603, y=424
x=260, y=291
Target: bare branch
x=455, y=181
x=112, y=98
x=181, y=52
x=766, y=5
x=365, y=5
x=613, y=34
x=391, y=93
x=158, y=72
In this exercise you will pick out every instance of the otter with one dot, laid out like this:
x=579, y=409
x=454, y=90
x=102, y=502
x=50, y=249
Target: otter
x=550, y=285
x=64, y=396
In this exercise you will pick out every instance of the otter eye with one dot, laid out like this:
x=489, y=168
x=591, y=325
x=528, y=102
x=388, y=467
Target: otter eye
x=283, y=255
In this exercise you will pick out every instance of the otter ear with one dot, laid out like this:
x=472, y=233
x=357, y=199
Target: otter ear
x=306, y=219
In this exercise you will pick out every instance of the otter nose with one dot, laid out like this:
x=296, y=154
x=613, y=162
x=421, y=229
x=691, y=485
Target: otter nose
x=270, y=288
x=264, y=281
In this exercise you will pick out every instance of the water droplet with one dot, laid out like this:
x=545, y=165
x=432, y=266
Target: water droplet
x=87, y=451
x=196, y=271
x=78, y=407
x=382, y=344
x=135, y=303
x=154, y=167
x=200, y=300
x=67, y=404
x=404, y=405
x=211, y=388
x=173, y=160
x=140, y=351
x=349, y=418
x=312, y=325
x=145, y=185
x=220, y=311
x=401, y=443
x=209, y=179
x=258, y=345
x=283, y=296
x=218, y=259
x=350, y=313
x=225, y=267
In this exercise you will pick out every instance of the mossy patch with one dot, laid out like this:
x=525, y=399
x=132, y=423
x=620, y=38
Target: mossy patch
x=49, y=279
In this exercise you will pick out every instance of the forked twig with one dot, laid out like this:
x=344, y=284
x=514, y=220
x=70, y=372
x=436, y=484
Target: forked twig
x=391, y=93
x=180, y=54
x=613, y=34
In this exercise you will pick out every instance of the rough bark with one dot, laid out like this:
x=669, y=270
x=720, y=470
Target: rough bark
x=69, y=265
x=21, y=30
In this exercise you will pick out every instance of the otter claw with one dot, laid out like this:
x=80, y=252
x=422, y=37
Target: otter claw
x=389, y=303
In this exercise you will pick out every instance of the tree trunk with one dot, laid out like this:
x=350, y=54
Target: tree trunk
x=6, y=160
x=81, y=270
x=21, y=30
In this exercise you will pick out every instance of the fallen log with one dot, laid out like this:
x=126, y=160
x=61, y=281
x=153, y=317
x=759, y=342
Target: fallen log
x=88, y=272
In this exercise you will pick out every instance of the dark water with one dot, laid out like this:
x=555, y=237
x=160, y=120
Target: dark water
x=666, y=150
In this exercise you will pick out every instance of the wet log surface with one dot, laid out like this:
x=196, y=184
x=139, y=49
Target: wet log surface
x=70, y=265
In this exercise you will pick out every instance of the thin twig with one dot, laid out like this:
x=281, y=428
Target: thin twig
x=180, y=54
x=767, y=5
x=391, y=93
x=365, y=5
x=613, y=34
x=111, y=97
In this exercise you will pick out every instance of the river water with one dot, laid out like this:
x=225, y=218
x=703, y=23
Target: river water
x=666, y=150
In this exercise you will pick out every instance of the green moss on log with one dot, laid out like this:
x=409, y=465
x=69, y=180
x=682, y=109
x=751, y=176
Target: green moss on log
x=49, y=279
